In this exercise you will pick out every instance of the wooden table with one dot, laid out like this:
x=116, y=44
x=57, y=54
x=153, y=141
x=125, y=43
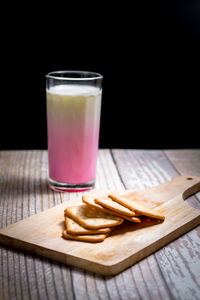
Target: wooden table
x=171, y=273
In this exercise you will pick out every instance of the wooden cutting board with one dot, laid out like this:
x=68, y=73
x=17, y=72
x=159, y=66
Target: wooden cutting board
x=128, y=243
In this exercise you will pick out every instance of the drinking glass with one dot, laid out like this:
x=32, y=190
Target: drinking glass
x=73, y=119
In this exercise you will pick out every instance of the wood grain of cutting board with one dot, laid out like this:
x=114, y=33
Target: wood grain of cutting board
x=41, y=234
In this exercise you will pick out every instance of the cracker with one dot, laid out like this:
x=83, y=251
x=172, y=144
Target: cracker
x=114, y=206
x=138, y=196
x=85, y=238
x=92, y=218
x=135, y=205
x=131, y=219
x=74, y=228
x=88, y=200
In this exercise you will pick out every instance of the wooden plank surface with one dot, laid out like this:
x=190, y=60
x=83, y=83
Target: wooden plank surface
x=171, y=273
x=127, y=244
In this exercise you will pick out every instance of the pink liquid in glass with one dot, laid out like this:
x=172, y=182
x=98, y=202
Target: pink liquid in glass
x=73, y=115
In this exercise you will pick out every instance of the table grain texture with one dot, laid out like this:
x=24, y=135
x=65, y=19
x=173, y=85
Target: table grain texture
x=170, y=273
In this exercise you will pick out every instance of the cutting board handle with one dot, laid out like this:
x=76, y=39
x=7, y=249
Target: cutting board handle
x=183, y=186
x=192, y=185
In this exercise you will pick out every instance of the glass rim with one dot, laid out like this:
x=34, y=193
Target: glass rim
x=93, y=75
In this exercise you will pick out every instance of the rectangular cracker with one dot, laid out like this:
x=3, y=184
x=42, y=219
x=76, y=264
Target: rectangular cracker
x=135, y=205
x=92, y=218
x=85, y=238
x=88, y=200
x=114, y=206
x=136, y=195
x=74, y=228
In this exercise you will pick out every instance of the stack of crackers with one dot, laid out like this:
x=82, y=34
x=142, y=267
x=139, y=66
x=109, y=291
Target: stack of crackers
x=97, y=216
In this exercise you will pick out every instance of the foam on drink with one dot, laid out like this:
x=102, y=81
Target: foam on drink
x=74, y=90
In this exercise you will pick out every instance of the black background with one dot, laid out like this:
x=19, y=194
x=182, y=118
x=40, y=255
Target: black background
x=149, y=57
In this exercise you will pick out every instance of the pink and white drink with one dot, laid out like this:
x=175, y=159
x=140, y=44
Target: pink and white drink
x=73, y=119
